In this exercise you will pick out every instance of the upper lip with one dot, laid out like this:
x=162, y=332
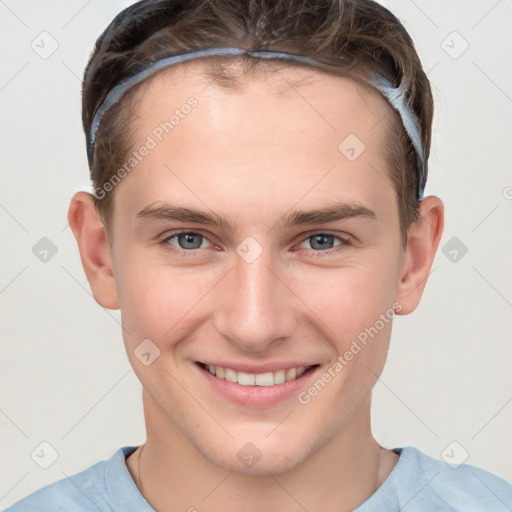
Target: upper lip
x=258, y=368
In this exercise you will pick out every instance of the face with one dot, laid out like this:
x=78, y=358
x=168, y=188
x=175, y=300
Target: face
x=292, y=262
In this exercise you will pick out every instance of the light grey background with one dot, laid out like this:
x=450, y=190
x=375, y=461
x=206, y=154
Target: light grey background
x=66, y=379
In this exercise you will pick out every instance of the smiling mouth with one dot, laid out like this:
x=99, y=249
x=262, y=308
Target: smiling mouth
x=266, y=379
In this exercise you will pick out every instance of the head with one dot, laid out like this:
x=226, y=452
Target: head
x=295, y=254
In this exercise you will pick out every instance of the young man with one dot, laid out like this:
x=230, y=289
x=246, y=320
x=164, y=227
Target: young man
x=253, y=216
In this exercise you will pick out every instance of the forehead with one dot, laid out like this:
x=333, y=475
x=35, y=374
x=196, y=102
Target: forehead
x=283, y=125
x=243, y=76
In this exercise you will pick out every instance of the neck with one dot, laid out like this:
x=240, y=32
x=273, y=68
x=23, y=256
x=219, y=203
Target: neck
x=172, y=474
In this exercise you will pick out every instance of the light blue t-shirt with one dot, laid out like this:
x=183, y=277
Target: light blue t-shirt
x=417, y=483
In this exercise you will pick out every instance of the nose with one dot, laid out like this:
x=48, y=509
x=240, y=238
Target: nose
x=255, y=305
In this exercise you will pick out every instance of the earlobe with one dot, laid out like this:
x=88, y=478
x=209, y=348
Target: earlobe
x=95, y=253
x=423, y=239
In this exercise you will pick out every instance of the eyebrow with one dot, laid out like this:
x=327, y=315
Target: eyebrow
x=332, y=213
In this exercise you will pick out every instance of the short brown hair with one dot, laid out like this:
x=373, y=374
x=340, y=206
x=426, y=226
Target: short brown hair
x=354, y=37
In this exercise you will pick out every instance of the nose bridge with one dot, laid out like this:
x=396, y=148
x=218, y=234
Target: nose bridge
x=257, y=307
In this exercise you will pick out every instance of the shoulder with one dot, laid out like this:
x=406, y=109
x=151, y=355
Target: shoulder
x=86, y=490
x=427, y=482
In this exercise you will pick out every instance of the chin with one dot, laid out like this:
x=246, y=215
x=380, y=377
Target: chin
x=260, y=457
x=275, y=464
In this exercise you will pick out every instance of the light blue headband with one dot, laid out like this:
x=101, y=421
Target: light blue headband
x=395, y=96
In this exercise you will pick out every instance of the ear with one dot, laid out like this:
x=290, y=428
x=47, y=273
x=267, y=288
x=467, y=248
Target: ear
x=91, y=237
x=422, y=242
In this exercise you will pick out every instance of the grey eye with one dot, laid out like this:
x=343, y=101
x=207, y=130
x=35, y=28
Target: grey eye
x=321, y=241
x=186, y=240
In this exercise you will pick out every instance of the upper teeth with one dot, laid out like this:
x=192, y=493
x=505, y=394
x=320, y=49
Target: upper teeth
x=256, y=379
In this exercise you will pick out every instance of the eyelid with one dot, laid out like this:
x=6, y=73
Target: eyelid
x=344, y=239
x=193, y=231
x=337, y=234
x=171, y=234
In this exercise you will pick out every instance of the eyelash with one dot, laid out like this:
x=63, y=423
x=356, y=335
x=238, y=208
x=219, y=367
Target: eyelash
x=345, y=242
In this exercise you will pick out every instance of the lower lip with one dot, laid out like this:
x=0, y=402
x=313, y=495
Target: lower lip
x=256, y=396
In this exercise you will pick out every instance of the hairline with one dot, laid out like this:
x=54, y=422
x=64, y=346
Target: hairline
x=256, y=69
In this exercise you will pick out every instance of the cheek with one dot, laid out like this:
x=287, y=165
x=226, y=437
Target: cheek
x=351, y=298
x=356, y=311
x=157, y=300
x=161, y=302
x=157, y=304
